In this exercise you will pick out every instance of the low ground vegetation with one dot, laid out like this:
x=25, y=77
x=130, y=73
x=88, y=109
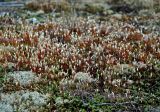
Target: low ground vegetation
x=87, y=58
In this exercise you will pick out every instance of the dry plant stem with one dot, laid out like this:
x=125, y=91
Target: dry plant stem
x=112, y=104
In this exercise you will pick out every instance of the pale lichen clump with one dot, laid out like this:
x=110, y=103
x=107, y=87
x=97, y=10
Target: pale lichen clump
x=23, y=78
x=22, y=101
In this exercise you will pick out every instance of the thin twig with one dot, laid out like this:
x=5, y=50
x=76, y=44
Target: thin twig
x=115, y=104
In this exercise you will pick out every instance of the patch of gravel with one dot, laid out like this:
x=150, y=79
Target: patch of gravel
x=22, y=101
x=24, y=78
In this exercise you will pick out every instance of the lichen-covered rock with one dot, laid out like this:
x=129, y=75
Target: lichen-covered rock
x=37, y=98
x=23, y=101
x=24, y=78
x=5, y=107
